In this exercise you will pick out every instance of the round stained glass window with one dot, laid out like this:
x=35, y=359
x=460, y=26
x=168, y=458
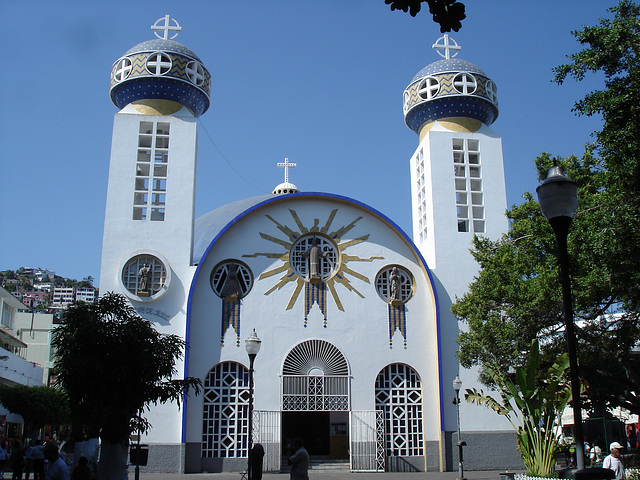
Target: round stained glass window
x=231, y=279
x=145, y=276
x=394, y=284
x=314, y=258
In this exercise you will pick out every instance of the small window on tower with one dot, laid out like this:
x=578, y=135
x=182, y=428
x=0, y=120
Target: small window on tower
x=142, y=184
x=146, y=128
x=157, y=214
x=159, y=185
x=162, y=142
x=159, y=198
x=161, y=156
x=160, y=170
x=162, y=129
x=144, y=155
x=458, y=144
x=144, y=141
x=139, y=213
x=473, y=145
x=142, y=170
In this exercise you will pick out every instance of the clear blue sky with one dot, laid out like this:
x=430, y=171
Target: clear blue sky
x=317, y=81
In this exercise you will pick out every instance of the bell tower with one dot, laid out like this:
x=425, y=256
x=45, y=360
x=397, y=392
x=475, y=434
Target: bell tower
x=457, y=190
x=457, y=176
x=160, y=88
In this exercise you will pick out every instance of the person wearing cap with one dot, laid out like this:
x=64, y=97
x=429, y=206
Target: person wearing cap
x=613, y=461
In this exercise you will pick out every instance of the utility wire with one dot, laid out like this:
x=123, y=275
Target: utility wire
x=227, y=161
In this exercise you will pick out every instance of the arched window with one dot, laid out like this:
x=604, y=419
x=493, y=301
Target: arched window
x=315, y=378
x=399, y=396
x=225, y=417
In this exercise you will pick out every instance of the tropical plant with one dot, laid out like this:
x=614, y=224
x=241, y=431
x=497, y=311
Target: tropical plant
x=531, y=400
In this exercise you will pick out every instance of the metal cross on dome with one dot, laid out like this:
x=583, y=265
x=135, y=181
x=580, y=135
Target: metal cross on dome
x=166, y=27
x=448, y=44
x=286, y=165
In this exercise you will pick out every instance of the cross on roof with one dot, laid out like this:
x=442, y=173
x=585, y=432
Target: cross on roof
x=447, y=45
x=166, y=27
x=286, y=165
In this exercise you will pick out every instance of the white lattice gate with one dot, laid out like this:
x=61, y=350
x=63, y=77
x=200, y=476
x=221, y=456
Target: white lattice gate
x=267, y=432
x=366, y=436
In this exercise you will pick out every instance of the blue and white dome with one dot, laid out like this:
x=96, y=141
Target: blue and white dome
x=449, y=88
x=161, y=69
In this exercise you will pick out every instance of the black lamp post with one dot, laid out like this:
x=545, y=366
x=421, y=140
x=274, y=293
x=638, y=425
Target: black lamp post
x=252, y=344
x=457, y=385
x=558, y=198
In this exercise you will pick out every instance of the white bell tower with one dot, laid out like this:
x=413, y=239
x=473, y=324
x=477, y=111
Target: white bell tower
x=457, y=176
x=457, y=190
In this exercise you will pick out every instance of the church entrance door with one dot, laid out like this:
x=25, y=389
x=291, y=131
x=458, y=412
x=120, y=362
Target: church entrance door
x=311, y=427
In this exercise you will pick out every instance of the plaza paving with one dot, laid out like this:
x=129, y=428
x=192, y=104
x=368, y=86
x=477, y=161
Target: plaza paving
x=327, y=475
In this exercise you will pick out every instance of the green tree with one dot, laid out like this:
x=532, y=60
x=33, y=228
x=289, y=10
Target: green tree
x=112, y=363
x=516, y=296
x=532, y=402
x=38, y=406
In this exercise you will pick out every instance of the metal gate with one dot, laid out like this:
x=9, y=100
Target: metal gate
x=366, y=437
x=267, y=431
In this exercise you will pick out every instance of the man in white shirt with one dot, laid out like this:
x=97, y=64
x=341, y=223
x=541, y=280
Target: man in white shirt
x=613, y=462
x=57, y=469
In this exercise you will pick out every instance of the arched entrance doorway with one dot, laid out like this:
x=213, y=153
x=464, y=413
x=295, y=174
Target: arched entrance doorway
x=316, y=399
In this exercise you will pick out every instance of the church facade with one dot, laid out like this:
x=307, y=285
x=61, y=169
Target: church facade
x=357, y=338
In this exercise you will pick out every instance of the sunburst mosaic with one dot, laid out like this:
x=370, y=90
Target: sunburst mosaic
x=314, y=259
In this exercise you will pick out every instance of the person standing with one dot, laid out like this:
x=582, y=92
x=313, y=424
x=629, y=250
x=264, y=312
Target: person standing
x=28, y=460
x=613, y=461
x=57, y=469
x=37, y=452
x=3, y=459
x=17, y=460
x=299, y=461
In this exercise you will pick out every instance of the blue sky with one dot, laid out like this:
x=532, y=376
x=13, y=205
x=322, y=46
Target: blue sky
x=319, y=82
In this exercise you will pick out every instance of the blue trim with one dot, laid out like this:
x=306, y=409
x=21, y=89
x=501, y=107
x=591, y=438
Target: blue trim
x=280, y=198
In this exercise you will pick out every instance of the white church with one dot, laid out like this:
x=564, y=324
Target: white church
x=358, y=342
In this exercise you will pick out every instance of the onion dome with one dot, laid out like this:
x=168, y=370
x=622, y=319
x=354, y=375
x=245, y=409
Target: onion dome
x=286, y=187
x=449, y=88
x=161, y=70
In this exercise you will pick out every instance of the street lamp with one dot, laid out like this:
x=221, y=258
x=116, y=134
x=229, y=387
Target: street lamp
x=558, y=198
x=252, y=344
x=457, y=385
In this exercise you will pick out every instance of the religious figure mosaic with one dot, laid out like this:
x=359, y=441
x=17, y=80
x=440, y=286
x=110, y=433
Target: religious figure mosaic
x=231, y=280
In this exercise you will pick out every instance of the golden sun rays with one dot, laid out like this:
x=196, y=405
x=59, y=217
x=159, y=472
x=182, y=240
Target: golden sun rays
x=325, y=267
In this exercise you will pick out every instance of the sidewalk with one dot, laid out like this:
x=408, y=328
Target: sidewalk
x=471, y=475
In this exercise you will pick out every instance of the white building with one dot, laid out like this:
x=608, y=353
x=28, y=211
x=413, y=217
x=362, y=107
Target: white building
x=87, y=295
x=35, y=330
x=358, y=342
x=62, y=297
x=14, y=369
